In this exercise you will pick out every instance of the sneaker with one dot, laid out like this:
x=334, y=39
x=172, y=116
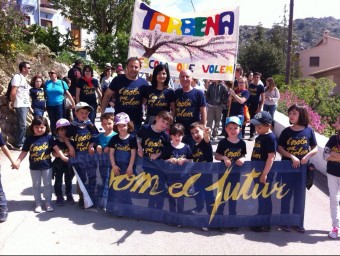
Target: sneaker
x=286, y=228
x=81, y=202
x=196, y=211
x=299, y=229
x=266, y=228
x=3, y=216
x=38, y=209
x=49, y=208
x=334, y=233
x=70, y=199
x=205, y=229
x=60, y=200
x=215, y=138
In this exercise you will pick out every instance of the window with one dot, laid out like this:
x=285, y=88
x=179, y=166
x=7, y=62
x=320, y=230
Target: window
x=314, y=61
x=46, y=23
x=76, y=35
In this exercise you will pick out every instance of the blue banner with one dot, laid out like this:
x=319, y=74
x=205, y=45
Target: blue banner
x=201, y=194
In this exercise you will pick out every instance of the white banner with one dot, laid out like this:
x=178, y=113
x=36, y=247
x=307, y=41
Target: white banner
x=206, y=43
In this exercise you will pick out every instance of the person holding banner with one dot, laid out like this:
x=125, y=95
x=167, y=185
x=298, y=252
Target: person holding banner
x=81, y=131
x=127, y=91
x=190, y=106
x=237, y=100
x=297, y=143
x=264, y=150
x=159, y=96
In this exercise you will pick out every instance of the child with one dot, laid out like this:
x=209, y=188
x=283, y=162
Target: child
x=60, y=167
x=3, y=201
x=177, y=153
x=123, y=149
x=151, y=139
x=332, y=156
x=264, y=150
x=38, y=96
x=298, y=144
x=232, y=150
x=81, y=131
x=101, y=143
x=39, y=147
x=202, y=152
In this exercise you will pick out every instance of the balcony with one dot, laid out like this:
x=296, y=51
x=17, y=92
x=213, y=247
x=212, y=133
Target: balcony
x=47, y=7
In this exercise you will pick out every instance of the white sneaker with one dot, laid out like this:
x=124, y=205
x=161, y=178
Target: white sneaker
x=334, y=233
x=49, y=208
x=38, y=209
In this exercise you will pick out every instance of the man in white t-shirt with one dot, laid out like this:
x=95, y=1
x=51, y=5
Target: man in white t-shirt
x=20, y=101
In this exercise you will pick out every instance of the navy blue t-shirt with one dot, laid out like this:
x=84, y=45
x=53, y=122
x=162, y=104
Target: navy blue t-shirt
x=158, y=100
x=82, y=136
x=203, y=152
x=39, y=148
x=237, y=108
x=188, y=106
x=62, y=146
x=88, y=92
x=152, y=142
x=172, y=152
x=128, y=96
x=264, y=144
x=123, y=146
x=333, y=144
x=255, y=93
x=297, y=143
x=38, y=98
x=231, y=150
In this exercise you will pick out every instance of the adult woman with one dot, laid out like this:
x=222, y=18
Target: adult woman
x=237, y=100
x=55, y=91
x=159, y=96
x=272, y=96
x=106, y=80
x=86, y=90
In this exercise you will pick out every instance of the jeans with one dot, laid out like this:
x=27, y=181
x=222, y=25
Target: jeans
x=60, y=169
x=334, y=198
x=46, y=176
x=93, y=113
x=214, y=116
x=38, y=112
x=54, y=114
x=21, y=114
x=3, y=201
x=271, y=109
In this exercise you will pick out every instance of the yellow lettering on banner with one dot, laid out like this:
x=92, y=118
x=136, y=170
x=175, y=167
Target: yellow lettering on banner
x=188, y=184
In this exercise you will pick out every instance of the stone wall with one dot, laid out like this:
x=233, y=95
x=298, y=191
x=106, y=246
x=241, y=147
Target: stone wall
x=41, y=61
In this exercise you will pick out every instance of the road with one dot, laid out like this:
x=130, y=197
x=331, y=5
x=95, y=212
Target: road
x=70, y=230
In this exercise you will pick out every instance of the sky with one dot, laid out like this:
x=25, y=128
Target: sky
x=252, y=12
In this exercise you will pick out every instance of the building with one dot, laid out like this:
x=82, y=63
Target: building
x=43, y=13
x=322, y=60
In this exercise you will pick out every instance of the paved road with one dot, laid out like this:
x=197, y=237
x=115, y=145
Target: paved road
x=69, y=230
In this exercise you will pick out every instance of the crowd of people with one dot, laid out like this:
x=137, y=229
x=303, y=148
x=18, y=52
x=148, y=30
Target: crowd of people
x=180, y=123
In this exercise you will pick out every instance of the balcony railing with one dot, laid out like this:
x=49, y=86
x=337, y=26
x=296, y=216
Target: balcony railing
x=47, y=4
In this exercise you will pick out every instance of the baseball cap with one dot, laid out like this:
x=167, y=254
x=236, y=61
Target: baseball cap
x=262, y=117
x=81, y=105
x=122, y=118
x=62, y=122
x=108, y=65
x=233, y=119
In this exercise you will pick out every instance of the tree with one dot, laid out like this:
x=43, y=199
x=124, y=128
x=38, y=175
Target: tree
x=174, y=46
x=103, y=17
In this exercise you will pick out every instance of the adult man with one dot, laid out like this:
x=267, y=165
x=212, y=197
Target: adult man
x=215, y=95
x=127, y=91
x=255, y=100
x=190, y=105
x=20, y=101
x=74, y=74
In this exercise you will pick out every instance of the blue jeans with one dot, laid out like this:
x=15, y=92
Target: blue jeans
x=93, y=113
x=21, y=114
x=3, y=201
x=54, y=114
x=271, y=109
x=38, y=112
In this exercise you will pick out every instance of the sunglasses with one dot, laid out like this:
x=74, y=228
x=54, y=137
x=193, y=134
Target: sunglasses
x=28, y=67
x=51, y=73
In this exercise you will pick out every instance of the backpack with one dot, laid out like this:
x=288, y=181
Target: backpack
x=9, y=89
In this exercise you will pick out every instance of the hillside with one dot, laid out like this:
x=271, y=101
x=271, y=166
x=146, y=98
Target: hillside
x=308, y=32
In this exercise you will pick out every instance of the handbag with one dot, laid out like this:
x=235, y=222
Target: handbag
x=67, y=103
x=246, y=114
x=310, y=175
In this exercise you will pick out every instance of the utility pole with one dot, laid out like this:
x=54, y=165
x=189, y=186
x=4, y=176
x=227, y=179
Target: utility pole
x=290, y=36
x=193, y=6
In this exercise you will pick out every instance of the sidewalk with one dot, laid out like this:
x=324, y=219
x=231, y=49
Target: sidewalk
x=70, y=230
